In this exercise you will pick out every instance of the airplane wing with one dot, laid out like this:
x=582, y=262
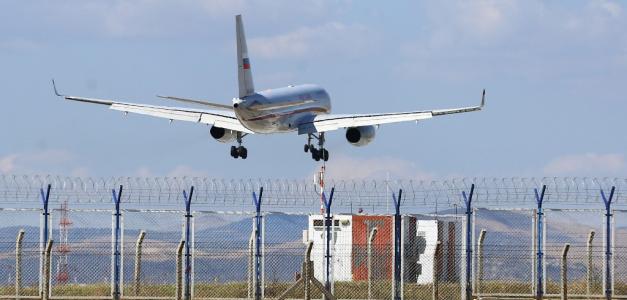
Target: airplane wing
x=324, y=123
x=223, y=119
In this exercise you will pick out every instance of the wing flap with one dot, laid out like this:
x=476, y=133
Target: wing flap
x=224, y=119
x=333, y=122
x=159, y=112
x=199, y=102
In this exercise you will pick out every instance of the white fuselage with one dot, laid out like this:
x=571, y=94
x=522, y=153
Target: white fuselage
x=282, y=109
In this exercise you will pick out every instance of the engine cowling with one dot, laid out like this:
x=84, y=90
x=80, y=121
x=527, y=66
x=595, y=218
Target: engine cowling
x=360, y=136
x=222, y=135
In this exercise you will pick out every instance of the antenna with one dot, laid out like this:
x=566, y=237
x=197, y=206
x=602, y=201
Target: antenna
x=63, y=270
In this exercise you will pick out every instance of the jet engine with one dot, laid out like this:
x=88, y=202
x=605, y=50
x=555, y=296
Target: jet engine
x=360, y=136
x=222, y=135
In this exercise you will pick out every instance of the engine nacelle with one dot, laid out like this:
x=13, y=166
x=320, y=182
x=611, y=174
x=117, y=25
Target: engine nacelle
x=222, y=135
x=360, y=136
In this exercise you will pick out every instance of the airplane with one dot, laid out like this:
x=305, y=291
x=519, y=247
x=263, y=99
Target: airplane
x=305, y=109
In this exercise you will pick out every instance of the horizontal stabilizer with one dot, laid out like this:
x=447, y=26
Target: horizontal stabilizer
x=199, y=102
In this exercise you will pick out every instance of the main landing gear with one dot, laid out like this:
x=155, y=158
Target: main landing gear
x=239, y=151
x=319, y=153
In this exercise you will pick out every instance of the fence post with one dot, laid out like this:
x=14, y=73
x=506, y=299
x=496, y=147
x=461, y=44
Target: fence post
x=116, y=243
x=565, y=272
x=539, y=243
x=179, y=270
x=45, y=295
x=608, y=243
x=258, y=279
x=479, y=277
x=437, y=255
x=328, y=224
x=138, y=261
x=188, y=244
x=251, y=268
x=396, y=287
x=371, y=237
x=308, y=273
x=44, y=234
x=589, y=270
x=18, y=263
x=307, y=278
x=468, y=202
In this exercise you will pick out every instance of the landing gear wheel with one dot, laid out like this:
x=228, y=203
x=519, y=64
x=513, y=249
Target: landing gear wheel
x=234, y=152
x=315, y=154
x=243, y=152
x=325, y=154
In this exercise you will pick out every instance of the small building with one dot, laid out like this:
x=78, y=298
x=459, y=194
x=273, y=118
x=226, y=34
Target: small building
x=350, y=243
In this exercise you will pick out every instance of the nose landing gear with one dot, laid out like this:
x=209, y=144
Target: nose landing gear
x=320, y=153
x=239, y=151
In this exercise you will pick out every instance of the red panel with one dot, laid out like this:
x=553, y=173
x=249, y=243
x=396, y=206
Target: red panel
x=383, y=249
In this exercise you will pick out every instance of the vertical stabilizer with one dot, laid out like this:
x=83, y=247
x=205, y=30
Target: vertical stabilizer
x=244, y=74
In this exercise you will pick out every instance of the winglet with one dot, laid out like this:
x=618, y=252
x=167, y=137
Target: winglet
x=483, y=99
x=54, y=86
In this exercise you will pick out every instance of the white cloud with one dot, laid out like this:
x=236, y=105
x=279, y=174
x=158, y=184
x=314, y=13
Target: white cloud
x=135, y=18
x=187, y=171
x=177, y=171
x=80, y=172
x=483, y=18
x=7, y=163
x=329, y=38
x=612, y=8
x=38, y=162
x=144, y=172
x=452, y=22
x=159, y=18
x=586, y=164
x=346, y=167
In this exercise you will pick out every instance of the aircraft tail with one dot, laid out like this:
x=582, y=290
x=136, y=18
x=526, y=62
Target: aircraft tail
x=244, y=74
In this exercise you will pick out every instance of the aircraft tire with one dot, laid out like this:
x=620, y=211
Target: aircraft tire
x=325, y=155
x=243, y=152
x=314, y=154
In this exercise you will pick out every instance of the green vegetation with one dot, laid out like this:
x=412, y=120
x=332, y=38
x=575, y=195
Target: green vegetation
x=343, y=290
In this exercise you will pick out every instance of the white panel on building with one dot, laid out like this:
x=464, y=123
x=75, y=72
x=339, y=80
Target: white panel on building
x=427, y=237
x=341, y=248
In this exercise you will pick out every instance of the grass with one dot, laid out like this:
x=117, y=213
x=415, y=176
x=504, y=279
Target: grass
x=343, y=290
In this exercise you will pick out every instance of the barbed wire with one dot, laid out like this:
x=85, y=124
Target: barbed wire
x=438, y=194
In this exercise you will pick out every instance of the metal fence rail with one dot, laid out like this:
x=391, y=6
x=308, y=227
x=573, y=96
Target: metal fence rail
x=493, y=192
x=163, y=241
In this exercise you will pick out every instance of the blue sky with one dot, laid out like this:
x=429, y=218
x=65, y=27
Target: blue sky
x=555, y=74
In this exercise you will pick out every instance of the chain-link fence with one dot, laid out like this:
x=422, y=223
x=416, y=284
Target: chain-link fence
x=19, y=252
x=620, y=253
x=583, y=231
x=151, y=247
x=505, y=256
